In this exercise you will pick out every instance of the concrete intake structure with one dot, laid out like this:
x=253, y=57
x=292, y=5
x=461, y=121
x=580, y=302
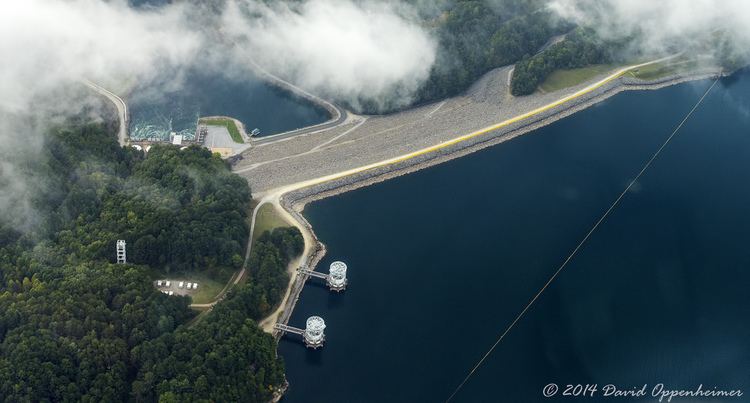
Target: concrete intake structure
x=337, y=276
x=335, y=279
x=313, y=334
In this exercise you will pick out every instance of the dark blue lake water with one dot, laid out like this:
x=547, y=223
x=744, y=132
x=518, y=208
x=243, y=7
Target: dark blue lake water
x=441, y=261
x=247, y=98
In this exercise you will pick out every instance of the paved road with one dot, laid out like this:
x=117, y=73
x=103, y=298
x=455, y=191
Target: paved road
x=339, y=115
x=294, y=288
x=552, y=41
x=274, y=195
x=294, y=184
x=241, y=273
x=122, y=110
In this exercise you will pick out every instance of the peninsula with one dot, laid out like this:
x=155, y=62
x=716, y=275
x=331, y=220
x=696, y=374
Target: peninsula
x=289, y=171
x=158, y=156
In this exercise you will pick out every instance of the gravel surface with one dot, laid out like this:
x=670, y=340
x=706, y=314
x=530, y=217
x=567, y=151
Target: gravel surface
x=379, y=138
x=218, y=137
x=288, y=147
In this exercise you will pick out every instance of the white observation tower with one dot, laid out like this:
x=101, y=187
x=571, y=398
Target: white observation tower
x=121, y=259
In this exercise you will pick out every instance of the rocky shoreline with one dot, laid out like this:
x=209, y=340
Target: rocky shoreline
x=295, y=200
x=336, y=113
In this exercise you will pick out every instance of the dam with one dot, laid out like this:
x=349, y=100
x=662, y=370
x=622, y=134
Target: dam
x=249, y=99
x=656, y=291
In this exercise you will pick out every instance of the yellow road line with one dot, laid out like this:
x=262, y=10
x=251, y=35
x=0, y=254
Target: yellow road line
x=466, y=137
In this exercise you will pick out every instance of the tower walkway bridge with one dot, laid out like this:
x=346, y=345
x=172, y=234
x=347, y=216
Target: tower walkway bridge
x=335, y=279
x=280, y=327
x=313, y=334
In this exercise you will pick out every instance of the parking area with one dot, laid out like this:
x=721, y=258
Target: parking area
x=218, y=139
x=176, y=286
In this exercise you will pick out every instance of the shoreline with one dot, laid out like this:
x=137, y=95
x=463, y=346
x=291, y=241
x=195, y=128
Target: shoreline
x=123, y=137
x=293, y=200
x=298, y=198
x=240, y=126
x=337, y=115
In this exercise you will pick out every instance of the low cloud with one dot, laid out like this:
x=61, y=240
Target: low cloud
x=345, y=49
x=352, y=51
x=664, y=25
x=50, y=43
x=48, y=47
x=372, y=51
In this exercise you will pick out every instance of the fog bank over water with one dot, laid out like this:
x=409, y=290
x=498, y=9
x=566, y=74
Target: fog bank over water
x=54, y=43
x=341, y=49
x=370, y=52
x=344, y=49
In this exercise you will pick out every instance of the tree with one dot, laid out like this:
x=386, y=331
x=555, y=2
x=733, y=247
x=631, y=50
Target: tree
x=76, y=327
x=579, y=49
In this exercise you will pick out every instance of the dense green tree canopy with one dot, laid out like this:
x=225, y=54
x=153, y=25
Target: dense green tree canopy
x=476, y=36
x=579, y=49
x=74, y=326
x=178, y=209
x=191, y=364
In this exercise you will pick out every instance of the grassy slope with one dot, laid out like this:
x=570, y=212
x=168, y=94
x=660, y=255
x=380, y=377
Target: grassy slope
x=209, y=286
x=229, y=124
x=266, y=220
x=209, y=283
x=567, y=78
x=663, y=69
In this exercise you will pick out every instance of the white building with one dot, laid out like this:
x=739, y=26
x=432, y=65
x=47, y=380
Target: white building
x=176, y=139
x=313, y=334
x=121, y=259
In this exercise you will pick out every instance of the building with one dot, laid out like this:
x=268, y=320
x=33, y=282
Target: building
x=175, y=139
x=121, y=258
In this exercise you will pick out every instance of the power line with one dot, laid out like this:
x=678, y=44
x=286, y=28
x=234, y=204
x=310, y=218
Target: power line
x=580, y=244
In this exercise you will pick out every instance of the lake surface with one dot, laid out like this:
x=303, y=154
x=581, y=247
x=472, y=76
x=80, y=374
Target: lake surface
x=154, y=114
x=441, y=261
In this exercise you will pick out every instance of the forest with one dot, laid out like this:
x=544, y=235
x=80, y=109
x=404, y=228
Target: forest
x=476, y=36
x=189, y=364
x=580, y=48
x=74, y=326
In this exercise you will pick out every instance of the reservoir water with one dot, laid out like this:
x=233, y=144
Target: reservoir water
x=246, y=98
x=442, y=260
